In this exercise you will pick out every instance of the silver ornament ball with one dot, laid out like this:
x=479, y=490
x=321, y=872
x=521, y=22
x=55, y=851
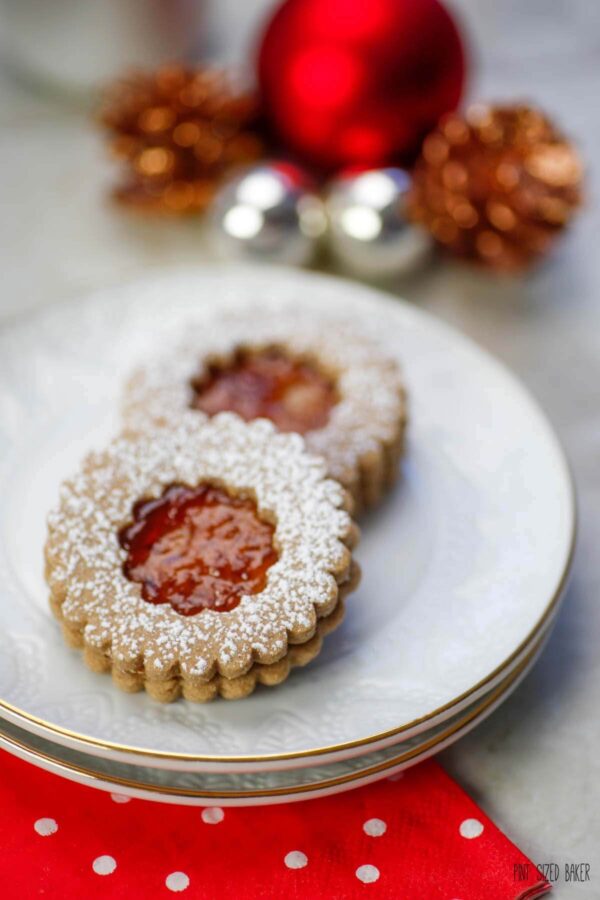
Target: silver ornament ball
x=370, y=235
x=268, y=212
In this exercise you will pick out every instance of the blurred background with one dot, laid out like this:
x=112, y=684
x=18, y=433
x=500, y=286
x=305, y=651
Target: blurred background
x=61, y=237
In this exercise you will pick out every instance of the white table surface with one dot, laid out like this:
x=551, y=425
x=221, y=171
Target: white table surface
x=534, y=766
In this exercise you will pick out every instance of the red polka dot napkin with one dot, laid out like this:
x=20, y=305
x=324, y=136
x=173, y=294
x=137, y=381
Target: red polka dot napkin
x=415, y=836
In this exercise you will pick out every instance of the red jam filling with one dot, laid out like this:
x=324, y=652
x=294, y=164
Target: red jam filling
x=294, y=394
x=197, y=548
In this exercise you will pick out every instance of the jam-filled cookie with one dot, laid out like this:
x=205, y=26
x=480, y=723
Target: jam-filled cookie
x=202, y=559
x=319, y=377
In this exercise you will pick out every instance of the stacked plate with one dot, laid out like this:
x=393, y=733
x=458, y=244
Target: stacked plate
x=464, y=565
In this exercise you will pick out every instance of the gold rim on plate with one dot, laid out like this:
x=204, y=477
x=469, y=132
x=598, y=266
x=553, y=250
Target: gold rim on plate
x=333, y=748
x=70, y=769
x=86, y=741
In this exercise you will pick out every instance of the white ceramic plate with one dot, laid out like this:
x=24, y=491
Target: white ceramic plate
x=250, y=788
x=462, y=565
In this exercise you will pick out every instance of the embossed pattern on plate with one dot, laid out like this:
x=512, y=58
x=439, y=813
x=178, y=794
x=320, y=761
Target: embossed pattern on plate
x=460, y=564
x=235, y=789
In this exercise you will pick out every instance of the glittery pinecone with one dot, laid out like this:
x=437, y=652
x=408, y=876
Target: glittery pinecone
x=497, y=185
x=178, y=132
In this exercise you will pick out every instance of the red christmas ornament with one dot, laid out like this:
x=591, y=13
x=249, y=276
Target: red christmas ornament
x=358, y=81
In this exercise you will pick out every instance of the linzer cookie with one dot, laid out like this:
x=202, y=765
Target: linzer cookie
x=320, y=377
x=202, y=559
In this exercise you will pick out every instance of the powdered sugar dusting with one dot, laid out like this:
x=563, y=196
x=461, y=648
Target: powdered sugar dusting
x=371, y=408
x=290, y=488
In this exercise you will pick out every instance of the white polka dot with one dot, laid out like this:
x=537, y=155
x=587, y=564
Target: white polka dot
x=374, y=827
x=471, y=828
x=212, y=815
x=104, y=865
x=296, y=859
x=396, y=777
x=120, y=798
x=367, y=874
x=45, y=827
x=177, y=881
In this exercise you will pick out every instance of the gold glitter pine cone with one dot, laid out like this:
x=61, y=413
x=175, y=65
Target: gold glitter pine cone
x=178, y=132
x=496, y=185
